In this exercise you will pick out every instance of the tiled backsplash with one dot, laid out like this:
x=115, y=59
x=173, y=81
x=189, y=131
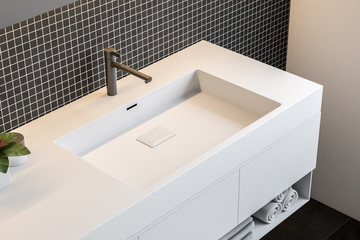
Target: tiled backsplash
x=52, y=59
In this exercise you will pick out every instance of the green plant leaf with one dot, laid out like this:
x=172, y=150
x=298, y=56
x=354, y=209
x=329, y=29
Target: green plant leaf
x=16, y=150
x=4, y=164
x=3, y=149
x=8, y=137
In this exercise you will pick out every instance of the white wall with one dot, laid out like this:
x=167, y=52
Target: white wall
x=324, y=46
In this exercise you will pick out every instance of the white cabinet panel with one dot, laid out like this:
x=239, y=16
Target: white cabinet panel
x=209, y=216
x=278, y=168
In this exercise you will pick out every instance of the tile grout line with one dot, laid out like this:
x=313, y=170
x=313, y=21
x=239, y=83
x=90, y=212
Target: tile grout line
x=345, y=222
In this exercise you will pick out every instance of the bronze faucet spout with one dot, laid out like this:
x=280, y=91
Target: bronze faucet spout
x=110, y=69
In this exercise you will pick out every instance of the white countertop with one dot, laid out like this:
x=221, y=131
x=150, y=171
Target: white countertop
x=57, y=195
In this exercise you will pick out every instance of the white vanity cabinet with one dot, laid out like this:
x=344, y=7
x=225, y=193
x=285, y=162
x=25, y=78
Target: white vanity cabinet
x=245, y=131
x=219, y=208
x=208, y=216
x=278, y=167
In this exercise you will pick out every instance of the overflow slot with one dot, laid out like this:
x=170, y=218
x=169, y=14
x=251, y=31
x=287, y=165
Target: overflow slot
x=132, y=106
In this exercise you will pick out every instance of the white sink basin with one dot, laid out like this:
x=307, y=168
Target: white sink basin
x=200, y=109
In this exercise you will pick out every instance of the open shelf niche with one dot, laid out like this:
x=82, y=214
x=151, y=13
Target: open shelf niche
x=303, y=187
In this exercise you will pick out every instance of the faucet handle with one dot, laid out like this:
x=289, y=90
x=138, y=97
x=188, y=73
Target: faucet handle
x=112, y=52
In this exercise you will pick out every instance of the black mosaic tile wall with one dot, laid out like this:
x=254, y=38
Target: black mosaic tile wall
x=52, y=59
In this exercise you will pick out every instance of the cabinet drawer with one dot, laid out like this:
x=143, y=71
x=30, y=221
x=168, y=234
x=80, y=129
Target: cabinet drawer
x=209, y=216
x=278, y=168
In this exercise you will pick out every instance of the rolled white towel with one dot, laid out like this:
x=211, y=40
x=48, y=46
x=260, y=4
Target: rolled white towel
x=291, y=197
x=245, y=231
x=269, y=212
x=279, y=198
x=250, y=236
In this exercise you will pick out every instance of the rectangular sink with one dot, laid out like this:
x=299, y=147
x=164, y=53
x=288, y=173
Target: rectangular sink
x=201, y=111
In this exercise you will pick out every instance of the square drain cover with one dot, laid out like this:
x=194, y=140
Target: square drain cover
x=156, y=136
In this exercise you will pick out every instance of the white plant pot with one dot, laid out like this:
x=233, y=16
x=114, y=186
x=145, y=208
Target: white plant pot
x=16, y=161
x=4, y=180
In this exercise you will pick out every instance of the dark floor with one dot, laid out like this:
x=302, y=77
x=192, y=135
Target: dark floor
x=316, y=221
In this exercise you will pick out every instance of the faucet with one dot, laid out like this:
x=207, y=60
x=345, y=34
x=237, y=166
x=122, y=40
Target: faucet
x=110, y=69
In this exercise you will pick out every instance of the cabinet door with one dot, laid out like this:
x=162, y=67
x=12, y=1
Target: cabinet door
x=278, y=168
x=209, y=216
